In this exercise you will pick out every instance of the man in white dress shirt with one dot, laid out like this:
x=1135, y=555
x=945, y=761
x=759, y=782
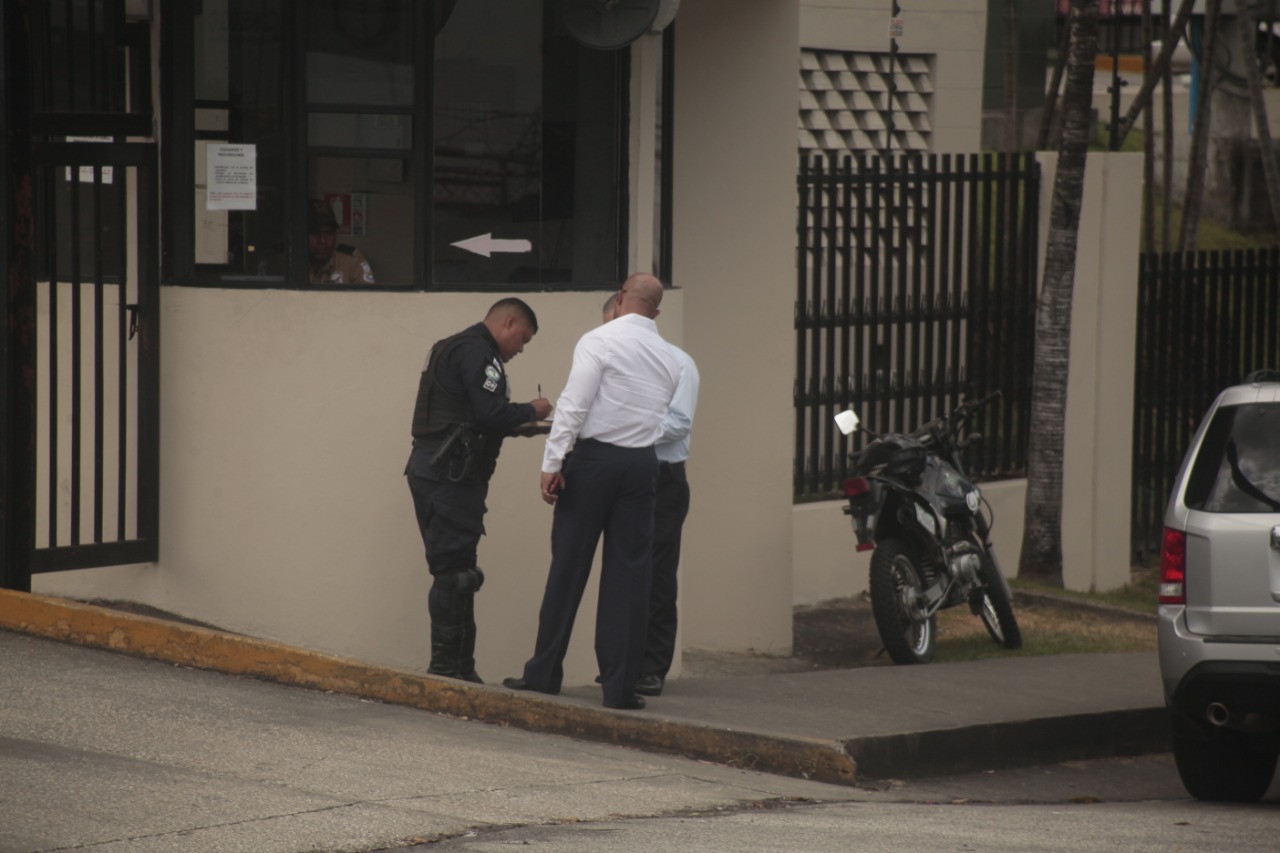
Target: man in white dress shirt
x=609, y=415
x=672, y=449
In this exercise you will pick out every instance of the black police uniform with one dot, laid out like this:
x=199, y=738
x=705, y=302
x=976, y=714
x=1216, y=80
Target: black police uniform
x=462, y=413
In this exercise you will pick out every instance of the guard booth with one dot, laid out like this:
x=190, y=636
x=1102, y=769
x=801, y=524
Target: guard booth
x=192, y=421
x=479, y=146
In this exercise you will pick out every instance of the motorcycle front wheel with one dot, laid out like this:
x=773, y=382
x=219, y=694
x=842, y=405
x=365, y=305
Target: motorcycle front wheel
x=896, y=584
x=995, y=609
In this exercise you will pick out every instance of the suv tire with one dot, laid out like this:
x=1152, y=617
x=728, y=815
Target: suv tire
x=1223, y=768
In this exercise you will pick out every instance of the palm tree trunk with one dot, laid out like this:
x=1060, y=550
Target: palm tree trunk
x=1011, y=123
x=1166, y=140
x=1055, y=84
x=1041, y=556
x=1148, y=143
x=1196, y=161
x=1249, y=53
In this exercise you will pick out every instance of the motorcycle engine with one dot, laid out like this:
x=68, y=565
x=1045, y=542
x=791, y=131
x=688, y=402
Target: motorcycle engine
x=964, y=567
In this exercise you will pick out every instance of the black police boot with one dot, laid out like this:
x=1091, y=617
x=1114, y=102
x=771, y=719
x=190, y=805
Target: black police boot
x=453, y=625
x=447, y=642
x=467, y=660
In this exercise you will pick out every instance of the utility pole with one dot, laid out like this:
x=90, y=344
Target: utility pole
x=895, y=30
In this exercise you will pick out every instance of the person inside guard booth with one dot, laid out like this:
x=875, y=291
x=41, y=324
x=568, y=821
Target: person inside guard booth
x=462, y=413
x=331, y=262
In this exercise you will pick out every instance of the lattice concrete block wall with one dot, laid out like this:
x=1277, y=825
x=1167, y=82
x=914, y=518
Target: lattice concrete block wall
x=848, y=101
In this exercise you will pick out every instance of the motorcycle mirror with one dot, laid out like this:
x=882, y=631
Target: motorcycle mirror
x=847, y=422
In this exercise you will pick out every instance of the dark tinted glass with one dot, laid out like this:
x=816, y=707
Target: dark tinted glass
x=1238, y=466
x=527, y=150
x=239, y=75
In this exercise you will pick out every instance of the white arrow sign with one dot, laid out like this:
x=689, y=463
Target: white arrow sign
x=486, y=245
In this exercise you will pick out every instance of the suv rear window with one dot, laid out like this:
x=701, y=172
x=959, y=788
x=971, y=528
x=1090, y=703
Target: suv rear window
x=1238, y=466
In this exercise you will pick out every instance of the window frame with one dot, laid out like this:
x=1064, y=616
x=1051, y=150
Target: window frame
x=178, y=104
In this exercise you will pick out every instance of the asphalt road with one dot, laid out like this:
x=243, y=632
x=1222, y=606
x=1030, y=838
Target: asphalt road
x=105, y=753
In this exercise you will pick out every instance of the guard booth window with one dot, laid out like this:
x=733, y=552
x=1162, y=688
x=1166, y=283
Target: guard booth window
x=457, y=144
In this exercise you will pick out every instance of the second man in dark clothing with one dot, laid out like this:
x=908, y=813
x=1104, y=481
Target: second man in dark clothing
x=462, y=413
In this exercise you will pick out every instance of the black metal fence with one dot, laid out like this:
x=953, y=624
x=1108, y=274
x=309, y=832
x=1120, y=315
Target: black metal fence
x=915, y=290
x=1205, y=320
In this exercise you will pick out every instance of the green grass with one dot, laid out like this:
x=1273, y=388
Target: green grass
x=1139, y=594
x=1102, y=142
x=1048, y=629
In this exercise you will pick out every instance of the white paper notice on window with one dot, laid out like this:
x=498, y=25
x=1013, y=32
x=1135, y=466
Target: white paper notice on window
x=232, y=175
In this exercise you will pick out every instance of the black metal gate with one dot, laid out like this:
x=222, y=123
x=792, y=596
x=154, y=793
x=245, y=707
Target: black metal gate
x=81, y=355
x=1205, y=321
x=916, y=286
x=97, y=390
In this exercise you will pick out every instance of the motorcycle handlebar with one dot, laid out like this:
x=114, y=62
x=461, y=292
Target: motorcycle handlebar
x=958, y=416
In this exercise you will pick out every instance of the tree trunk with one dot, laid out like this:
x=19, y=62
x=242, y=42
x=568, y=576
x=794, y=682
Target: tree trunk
x=1199, y=155
x=1249, y=53
x=1166, y=140
x=1055, y=84
x=1148, y=142
x=1172, y=36
x=1041, y=557
x=1011, y=123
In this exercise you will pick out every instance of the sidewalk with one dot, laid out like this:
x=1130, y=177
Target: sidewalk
x=831, y=726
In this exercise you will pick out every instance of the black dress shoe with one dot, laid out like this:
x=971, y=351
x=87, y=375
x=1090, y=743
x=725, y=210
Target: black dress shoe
x=634, y=703
x=517, y=683
x=649, y=685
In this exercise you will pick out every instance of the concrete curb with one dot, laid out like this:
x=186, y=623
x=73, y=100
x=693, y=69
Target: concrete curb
x=997, y=746
x=233, y=654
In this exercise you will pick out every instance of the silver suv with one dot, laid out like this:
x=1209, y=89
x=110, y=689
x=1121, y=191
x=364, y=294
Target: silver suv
x=1220, y=597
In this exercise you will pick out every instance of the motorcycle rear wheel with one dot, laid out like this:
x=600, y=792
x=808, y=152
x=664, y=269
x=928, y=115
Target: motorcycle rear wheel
x=995, y=609
x=896, y=584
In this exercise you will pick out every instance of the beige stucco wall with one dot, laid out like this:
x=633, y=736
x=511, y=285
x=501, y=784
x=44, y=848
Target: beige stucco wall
x=953, y=30
x=284, y=511
x=734, y=221
x=1098, y=469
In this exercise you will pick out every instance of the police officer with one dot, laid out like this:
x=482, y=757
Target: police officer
x=462, y=413
x=332, y=263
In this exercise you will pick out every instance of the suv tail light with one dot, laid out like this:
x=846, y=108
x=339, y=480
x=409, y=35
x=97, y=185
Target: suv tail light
x=1173, y=567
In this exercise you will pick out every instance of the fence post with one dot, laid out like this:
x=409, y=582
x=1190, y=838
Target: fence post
x=1098, y=453
x=17, y=333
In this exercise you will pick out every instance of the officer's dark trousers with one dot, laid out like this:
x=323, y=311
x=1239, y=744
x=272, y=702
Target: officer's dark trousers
x=669, y=516
x=609, y=490
x=451, y=519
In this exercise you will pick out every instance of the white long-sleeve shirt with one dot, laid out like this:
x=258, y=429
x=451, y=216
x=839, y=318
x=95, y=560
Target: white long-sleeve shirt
x=677, y=424
x=619, y=388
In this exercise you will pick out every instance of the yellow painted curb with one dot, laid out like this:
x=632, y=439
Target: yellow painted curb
x=204, y=648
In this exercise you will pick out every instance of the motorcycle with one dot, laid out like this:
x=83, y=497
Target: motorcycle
x=911, y=502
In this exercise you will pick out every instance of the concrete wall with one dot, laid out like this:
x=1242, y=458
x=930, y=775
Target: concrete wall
x=284, y=512
x=735, y=160
x=1098, y=465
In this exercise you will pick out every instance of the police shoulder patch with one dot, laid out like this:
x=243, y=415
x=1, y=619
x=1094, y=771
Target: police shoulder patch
x=492, y=372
